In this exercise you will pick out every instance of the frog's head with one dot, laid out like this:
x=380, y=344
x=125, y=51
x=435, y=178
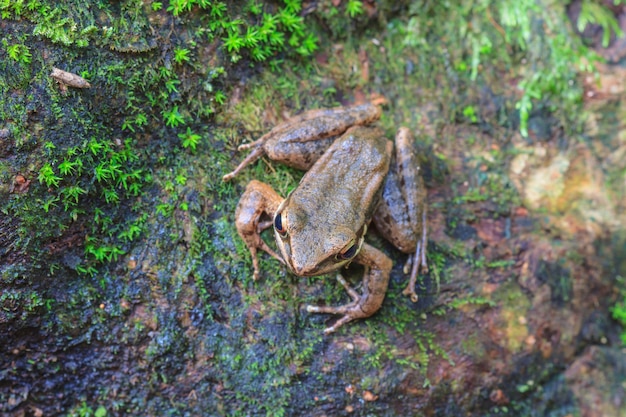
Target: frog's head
x=310, y=248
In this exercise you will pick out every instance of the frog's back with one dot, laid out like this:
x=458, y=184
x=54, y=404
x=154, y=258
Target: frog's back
x=343, y=187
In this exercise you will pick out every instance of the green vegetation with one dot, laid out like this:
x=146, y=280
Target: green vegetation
x=18, y=52
x=619, y=314
x=181, y=55
x=189, y=139
x=354, y=8
x=402, y=320
x=272, y=34
x=90, y=177
x=95, y=169
x=619, y=309
x=592, y=12
x=173, y=118
x=506, y=32
x=85, y=410
x=19, y=304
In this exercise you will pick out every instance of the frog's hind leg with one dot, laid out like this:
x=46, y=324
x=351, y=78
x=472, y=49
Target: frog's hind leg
x=252, y=157
x=287, y=142
x=259, y=198
x=417, y=259
x=401, y=215
x=257, y=151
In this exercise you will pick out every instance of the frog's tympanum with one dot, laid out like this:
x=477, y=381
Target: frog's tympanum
x=353, y=176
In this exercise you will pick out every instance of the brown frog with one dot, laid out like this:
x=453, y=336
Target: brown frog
x=353, y=176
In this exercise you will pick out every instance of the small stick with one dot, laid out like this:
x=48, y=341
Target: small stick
x=69, y=79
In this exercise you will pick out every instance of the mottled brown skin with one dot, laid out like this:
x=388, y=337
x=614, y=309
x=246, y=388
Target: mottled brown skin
x=353, y=177
x=401, y=216
x=301, y=140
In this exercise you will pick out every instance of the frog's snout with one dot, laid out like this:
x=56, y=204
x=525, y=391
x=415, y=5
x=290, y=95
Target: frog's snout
x=299, y=269
x=304, y=269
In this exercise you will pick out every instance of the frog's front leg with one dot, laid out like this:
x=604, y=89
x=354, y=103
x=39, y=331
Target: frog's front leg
x=375, y=282
x=401, y=215
x=258, y=198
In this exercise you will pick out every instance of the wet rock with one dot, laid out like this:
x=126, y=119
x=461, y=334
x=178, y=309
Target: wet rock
x=540, y=126
x=568, y=183
x=559, y=280
x=597, y=380
x=463, y=232
x=6, y=145
x=615, y=49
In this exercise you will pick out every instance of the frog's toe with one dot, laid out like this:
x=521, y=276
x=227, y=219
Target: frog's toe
x=347, y=316
x=407, y=266
x=327, y=309
x=350, y=312
x=332, y=329
x=351, y=292
x=410, y=291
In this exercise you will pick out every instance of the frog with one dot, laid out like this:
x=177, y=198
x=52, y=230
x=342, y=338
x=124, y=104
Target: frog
x=354, y=177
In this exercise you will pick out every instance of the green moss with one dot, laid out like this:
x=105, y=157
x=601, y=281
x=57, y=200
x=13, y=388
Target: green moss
x=91, y=167
x=84, y=410
x=618, y=311
x=514, y=305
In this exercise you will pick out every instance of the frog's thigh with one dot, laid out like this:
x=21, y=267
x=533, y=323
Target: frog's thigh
x=399, y=217
x=298, y=154
x=391, y=217
x=258, y=198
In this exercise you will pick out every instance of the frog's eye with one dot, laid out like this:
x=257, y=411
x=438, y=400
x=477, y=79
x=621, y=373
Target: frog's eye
x=278, y=225
x=349, y=252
